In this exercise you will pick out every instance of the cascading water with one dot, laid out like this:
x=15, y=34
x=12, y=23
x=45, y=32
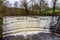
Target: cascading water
x=25, y=25
x=55, y=24
x=30, y=28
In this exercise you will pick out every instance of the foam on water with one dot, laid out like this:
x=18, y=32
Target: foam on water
x=12, y=23
x=24, y=33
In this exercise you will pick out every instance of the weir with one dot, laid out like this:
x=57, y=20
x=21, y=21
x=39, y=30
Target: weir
x=25, y=25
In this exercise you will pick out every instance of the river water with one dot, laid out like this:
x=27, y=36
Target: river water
x=27, y=25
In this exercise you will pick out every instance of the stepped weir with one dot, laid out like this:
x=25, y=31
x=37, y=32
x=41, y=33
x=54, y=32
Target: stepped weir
x=30, y=27
x=25, y=25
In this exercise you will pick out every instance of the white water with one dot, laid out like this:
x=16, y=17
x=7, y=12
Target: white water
x=20, y=24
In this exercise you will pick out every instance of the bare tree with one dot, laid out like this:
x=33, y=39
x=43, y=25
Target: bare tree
x=32, y=1
x=25, y=6
x=54, y=4
x=15, y=4
x=1, y=5
x=42, y=4
x=45, y=7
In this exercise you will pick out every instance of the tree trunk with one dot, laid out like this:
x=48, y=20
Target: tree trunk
x=54, y=4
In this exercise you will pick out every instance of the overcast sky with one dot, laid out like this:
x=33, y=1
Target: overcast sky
x=19, y=1
x=12, y=1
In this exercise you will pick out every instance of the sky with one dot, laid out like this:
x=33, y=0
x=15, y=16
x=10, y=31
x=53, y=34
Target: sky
x=19, y=1
x=12, y=1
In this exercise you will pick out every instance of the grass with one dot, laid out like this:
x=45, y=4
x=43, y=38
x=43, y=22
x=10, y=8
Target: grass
x=51, y=11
